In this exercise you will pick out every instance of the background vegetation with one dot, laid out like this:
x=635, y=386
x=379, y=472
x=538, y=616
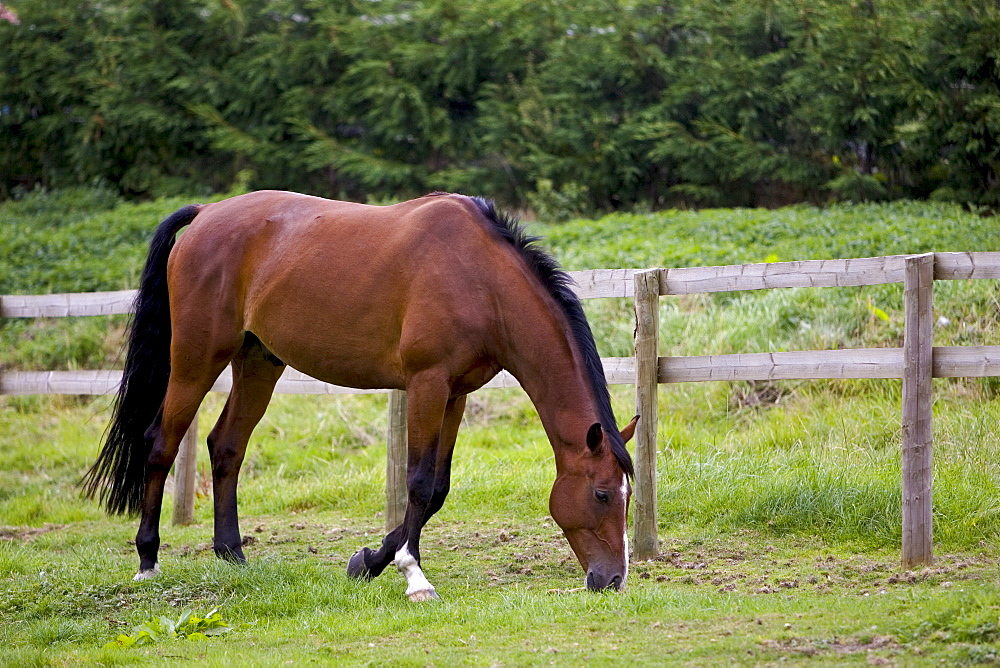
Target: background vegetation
x=779, y=503
x=563, y=108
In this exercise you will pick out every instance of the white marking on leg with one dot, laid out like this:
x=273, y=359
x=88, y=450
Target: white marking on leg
x=417, y=586
x=625, y=532
x=148, y=573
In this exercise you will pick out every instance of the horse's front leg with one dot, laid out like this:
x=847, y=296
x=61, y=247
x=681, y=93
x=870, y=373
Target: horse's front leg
x=408, y=556
x=431, y=444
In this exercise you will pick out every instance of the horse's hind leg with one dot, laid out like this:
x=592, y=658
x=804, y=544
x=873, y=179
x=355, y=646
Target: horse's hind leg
x=196, y=360
x=180, y=406
x=255, y=373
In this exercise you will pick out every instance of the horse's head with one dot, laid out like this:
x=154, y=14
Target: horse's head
x=589, y=501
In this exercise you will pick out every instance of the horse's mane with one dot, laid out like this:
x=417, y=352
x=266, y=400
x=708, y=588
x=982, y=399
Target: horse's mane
x=558, y=283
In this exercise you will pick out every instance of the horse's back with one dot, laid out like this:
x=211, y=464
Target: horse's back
x=350, y=293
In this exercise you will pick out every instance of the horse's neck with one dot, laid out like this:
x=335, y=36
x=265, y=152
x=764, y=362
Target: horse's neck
x=541, y=354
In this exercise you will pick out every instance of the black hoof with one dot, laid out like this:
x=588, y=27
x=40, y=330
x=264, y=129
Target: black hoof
x=356, y=567
x=231, y=555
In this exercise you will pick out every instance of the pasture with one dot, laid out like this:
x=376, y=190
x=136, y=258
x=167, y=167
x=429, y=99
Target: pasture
x=779, y=502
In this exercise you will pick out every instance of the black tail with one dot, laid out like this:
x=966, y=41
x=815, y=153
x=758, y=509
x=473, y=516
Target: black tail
x=119, y=474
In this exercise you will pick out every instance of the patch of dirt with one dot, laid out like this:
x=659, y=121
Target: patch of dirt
x=27, y=533
x=756, y=570
x=840, y=646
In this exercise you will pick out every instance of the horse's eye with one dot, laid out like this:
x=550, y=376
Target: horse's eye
x=602, y=496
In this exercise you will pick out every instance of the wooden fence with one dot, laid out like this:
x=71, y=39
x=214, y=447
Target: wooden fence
x=915, y=363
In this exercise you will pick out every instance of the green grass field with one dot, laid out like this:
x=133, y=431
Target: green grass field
x=779, y=503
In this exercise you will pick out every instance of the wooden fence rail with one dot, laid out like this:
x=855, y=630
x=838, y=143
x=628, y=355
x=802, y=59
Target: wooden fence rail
x=916, y=363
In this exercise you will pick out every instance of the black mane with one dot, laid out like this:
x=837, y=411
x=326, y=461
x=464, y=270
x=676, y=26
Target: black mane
x=558, y=283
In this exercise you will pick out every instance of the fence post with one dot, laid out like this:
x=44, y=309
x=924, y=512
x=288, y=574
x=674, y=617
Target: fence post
x=647, y=319
x=395, y=461
x=185, y=475
x=918, y=342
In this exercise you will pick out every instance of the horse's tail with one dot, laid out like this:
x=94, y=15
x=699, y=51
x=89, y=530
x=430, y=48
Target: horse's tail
x=119, y=474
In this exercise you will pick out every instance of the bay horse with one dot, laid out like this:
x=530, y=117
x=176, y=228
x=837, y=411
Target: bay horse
x=435, y=296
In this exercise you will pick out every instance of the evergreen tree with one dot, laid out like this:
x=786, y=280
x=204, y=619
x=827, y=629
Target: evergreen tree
x=563, y=109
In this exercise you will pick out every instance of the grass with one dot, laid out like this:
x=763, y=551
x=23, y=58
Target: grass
x=731, y=583
x=779, y=502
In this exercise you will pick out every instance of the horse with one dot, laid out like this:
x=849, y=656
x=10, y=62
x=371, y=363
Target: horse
x=434, y=295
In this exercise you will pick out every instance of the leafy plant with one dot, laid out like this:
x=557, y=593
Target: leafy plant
x=555, y=205
x=603, y=105
x=186, y=627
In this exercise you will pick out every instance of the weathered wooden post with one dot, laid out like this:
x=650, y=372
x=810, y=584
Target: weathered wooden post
x=647, y=319
x=918, y=299
x=395, y=461
x=186, y=475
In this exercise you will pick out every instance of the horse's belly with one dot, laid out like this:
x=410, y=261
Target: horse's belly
x=344, y=376
x=346, y=361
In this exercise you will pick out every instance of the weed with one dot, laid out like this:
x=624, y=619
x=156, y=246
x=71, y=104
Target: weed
x=186, y=627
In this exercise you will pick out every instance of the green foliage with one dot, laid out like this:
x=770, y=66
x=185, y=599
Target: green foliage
x=970, y=619
x=72, y=240
x=598, y=106
x=674, y=238
x=80, y=240
x=558, y=205
x=185, y=627
x=61, y=343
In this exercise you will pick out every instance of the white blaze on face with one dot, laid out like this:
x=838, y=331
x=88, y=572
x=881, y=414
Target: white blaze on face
x=625, y=531
x=407, y=564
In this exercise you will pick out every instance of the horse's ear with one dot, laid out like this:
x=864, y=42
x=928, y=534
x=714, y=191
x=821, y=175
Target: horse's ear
x=595, y=437
x=629, y=431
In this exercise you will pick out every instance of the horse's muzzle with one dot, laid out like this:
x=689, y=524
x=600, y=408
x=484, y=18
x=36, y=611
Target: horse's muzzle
x=598, y=582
